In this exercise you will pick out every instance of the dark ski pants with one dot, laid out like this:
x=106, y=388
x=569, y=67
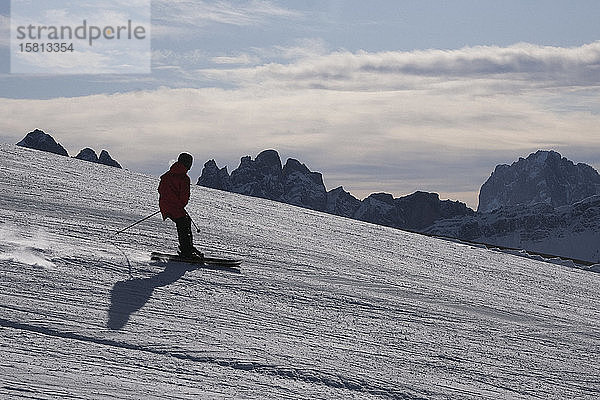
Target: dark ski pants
x=184, y=233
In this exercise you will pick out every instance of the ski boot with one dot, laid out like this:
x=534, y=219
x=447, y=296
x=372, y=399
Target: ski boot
x=197, y=254
x=193, y=254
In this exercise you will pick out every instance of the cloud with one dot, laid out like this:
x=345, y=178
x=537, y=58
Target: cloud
x=184, y=64
x=305, y=48
x=397, y=141
x=512, y=68
x=237, y=59
x=302, y=49
x=166, y=57
x=172, y=17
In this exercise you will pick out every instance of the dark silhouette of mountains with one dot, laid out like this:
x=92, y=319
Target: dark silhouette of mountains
x=39, y=140
x=542, y=177
x=543, y=203
x=293, y=183
x=90, y=155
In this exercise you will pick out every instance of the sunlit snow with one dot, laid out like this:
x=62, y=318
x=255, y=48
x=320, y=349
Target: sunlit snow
x=323, y=306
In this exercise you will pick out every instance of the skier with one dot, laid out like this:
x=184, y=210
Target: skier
x=174, y=190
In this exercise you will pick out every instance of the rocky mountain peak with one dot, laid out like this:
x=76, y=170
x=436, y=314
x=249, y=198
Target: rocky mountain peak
x=211, y=164
x=87, y=154
x=106, y=159
x=269, y=158
x=302, y=187
x=341, y=202
x=261, y=177
x=39, y=140
x=542, y=177
x=213, y=177
x=293, y=165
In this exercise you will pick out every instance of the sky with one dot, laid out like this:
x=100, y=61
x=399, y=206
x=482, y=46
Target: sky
x=380, y=96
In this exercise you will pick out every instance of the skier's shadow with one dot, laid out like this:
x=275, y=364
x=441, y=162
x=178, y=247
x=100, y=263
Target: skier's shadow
x=131, y=295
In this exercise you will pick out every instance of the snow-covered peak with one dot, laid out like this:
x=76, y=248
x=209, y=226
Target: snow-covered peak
x=542, y=177
x=571, y=231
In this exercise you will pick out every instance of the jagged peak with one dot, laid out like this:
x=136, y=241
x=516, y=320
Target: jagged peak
x=245, y=160
x=106, y=159
x=294, y=165
x=211, y=164
x=543, y=177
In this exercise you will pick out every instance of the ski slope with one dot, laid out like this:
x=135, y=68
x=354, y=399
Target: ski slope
x=324, y=307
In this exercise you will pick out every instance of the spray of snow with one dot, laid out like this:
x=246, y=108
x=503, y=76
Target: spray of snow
x=30, y=249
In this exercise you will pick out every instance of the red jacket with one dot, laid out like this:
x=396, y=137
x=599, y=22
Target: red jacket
x=174, y=189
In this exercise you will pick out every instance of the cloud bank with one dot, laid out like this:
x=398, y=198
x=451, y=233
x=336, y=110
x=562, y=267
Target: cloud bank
x=520, y=65
x=394, y=121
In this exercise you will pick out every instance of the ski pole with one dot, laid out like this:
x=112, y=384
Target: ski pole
x=135, y=223
x=195, y=226
x=123, y=230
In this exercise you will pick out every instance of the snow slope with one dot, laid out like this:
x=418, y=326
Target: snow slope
x=324, y=307
x=571, y=231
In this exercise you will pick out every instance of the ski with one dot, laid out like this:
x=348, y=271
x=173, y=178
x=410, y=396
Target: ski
x=228, y=262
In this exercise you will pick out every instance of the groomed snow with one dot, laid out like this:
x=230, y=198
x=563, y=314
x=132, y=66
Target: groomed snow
x=324, y=307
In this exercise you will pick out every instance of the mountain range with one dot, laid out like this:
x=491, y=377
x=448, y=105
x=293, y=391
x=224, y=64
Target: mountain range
x=294, y=183
x=39, y=140
x=542, y=203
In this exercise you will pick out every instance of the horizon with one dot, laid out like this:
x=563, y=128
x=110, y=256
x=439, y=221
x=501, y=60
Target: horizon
x=381, y=97
x=198, y=166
